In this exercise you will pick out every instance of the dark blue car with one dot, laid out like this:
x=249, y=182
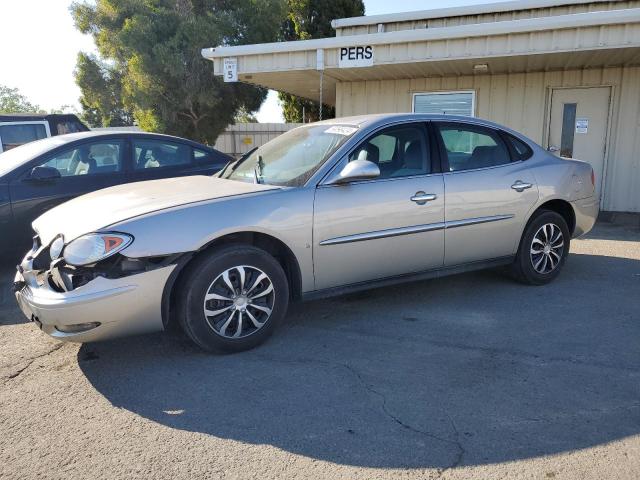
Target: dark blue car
x=39, y=175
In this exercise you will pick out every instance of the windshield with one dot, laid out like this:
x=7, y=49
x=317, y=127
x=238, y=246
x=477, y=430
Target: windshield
x=15, y=157
x=292, y=158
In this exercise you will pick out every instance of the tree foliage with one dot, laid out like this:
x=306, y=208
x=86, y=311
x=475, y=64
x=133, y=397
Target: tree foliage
x=307, y=19
x=12, y=101
x=101, y=88
x=151, y=65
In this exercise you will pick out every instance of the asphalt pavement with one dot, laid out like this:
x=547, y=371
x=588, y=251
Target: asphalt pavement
x=471, y=376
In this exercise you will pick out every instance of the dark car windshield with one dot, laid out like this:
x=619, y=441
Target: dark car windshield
x=292, y=158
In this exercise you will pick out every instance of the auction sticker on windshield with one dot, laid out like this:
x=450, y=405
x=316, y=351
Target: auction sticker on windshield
x=341, y=130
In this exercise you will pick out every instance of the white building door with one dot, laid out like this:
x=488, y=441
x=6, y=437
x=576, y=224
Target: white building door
x=578, y=126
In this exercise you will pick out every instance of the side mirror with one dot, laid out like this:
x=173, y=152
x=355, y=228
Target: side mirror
x=44, y=174
x=357, y=170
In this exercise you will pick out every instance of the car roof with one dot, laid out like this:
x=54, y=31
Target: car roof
x=25, y=153
x=72, y=137
x=381, y=119
x=10, y=117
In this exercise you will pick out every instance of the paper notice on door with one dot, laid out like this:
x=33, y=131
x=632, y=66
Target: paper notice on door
x=582, y=125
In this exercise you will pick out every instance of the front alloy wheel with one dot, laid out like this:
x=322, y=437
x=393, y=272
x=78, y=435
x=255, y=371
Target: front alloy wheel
x=239, y=301
x=241, y=307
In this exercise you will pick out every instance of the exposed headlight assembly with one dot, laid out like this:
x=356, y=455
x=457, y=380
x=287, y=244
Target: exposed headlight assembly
x=94, y=247
x=55, y=249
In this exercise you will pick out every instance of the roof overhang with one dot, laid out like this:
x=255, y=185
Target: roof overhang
x=582, y=40
x=480, y=9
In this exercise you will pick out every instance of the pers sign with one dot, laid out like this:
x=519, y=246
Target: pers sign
x=361, y=56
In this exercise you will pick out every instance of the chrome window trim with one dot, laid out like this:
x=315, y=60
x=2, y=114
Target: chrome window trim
x=455, y=172
x=380, y=180
x=396, y=232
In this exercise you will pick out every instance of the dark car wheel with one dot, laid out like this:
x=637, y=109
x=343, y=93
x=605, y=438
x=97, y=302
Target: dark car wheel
x=543, y=250
x=233, y=298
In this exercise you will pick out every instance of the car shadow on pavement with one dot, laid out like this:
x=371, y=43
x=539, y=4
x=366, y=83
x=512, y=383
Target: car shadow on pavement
x=466, y=370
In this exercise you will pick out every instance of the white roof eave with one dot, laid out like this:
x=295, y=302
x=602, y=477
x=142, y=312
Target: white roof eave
x=576, y=20
x=494, y=7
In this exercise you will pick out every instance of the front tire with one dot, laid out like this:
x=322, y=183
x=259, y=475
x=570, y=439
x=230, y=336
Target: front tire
x=543, y=249
x=233, y=298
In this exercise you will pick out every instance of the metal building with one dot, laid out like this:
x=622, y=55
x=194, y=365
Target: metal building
x=565, y=73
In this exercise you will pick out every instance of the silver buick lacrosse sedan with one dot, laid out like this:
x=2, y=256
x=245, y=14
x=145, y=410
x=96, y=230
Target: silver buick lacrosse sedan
x=324, y=209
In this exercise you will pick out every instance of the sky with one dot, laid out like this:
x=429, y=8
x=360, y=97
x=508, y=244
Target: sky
x=39, y=59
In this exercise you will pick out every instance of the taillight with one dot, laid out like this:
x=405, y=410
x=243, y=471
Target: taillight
x=593, y=179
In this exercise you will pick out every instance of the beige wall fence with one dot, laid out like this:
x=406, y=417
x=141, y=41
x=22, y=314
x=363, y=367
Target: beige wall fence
x=238, y=139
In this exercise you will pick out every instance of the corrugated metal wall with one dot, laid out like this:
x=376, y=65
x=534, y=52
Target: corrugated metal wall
x=240, y=138
x=488, y=17
x=521, y=101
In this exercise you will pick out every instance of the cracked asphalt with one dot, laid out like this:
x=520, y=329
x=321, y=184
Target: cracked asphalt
x=472, y=376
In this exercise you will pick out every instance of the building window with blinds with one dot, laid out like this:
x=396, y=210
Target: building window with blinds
x=445, y=103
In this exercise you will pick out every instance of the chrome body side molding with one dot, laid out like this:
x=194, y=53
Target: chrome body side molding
x=392, y=232
x=477, y=220
x=395, y=232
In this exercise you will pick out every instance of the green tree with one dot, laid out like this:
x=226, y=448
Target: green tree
x=101, y=89
x=12, y=101
x=307, y=19
x=152, y=48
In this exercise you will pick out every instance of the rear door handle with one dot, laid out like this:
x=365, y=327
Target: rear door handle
x=421, y=198
x=520, y=186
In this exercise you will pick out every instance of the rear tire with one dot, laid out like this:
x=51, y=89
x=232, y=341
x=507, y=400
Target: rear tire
x=543, y=249
x=232, y=298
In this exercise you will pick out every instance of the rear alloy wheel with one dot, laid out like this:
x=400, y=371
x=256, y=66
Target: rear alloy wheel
x=547, y=248
x=543, y=250
x=233, y=298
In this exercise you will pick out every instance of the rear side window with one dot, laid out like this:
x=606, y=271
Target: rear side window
x=469, y=147
x=519, y=149
x=15, y=135
x=160, y=154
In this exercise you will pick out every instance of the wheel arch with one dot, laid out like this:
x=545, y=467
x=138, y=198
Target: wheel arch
x=264, y=241
x=561, y=207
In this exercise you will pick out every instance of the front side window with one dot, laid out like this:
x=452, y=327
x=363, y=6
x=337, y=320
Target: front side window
x=468, y=147
x=88, y=159
x=15, y=135
x=398, y=152
x=160, y=154
x=292, y=158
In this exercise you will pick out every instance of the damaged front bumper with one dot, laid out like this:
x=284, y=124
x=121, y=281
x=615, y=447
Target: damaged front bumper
x=100, y=309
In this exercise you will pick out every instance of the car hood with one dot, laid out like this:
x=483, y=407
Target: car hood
x=102, y=208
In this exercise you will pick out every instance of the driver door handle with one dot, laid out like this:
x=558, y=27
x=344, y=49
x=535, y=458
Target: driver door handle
x=421, y=198
x=520, y=186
